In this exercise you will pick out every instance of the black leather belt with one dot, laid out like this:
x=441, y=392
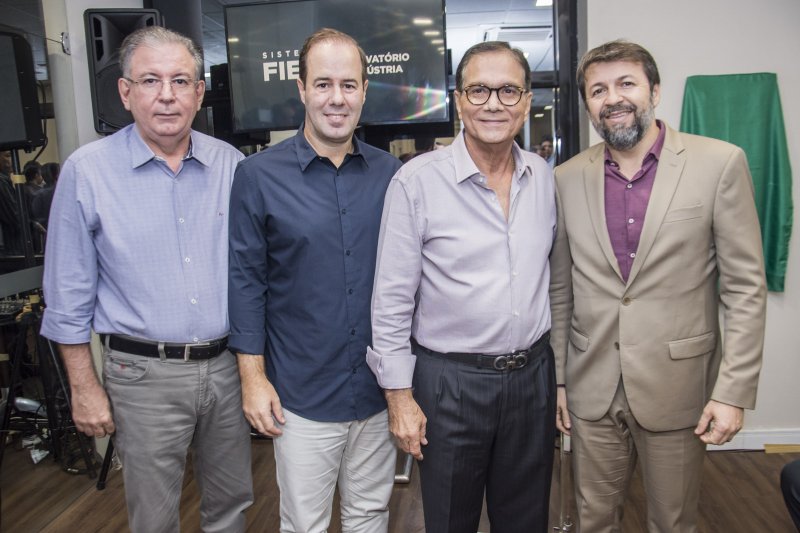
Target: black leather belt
x=166, y=350
x=507, y=361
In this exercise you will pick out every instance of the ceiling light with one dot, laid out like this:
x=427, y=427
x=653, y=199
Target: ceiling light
x=538, y=115
x=544, y=3
x=430, y=33
x=437, y=41
x=422, y=21
x=233, y=39
x=548, y=107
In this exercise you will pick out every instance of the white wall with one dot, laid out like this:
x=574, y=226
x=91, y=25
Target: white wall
x=688, y=37
x=69, y=74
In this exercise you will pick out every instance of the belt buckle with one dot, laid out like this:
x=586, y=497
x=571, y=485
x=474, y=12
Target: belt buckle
x=512, y=361
x=187, y=349
x=520, y=358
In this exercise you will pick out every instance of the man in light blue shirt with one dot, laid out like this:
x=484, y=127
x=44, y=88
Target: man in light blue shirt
x=138, y=251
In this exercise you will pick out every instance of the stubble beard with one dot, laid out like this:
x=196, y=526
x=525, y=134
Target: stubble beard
x=621, y=137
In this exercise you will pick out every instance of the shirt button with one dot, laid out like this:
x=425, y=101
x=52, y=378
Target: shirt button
x=344, y=211
x=193, y=300
x=195, y=339
x=515, y=273
x=349, y=291
x=188, y=260
x=180, y=220
x=347, y=252
x=630, y=221
x=616, y=345
x=516, y=313
x=633, y=254
x=629, y=186
x=355, y=370
x=353, y=331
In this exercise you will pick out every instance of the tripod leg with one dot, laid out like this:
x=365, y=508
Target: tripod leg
x=101, y=482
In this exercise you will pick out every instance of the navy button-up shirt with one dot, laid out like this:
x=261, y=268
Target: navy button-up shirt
x=303, y=240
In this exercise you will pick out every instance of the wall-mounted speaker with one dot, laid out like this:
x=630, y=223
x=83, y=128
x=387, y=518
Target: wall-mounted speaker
x=20, y=122
x=105, y=31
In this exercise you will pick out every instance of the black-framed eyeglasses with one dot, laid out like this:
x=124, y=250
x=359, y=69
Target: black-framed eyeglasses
x=509, y=95
x=155, y=85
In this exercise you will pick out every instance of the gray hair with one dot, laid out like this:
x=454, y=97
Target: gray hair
x=154, y=36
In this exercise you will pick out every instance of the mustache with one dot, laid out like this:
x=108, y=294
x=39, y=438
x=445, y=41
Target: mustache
x=617, y=108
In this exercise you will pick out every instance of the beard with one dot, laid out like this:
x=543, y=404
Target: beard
x=621, y=137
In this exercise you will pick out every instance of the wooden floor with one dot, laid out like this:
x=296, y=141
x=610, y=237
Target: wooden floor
x=740, y=493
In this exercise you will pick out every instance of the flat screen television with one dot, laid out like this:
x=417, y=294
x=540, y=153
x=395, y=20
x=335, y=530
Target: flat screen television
x=403, y=41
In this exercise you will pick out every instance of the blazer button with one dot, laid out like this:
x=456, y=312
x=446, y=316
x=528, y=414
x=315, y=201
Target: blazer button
x=627, y=301
x=616, y=345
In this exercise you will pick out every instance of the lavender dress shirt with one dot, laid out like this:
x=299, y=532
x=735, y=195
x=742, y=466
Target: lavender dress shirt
x=452, y=272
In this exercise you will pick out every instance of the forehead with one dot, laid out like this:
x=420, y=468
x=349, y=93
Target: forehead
x=169, y=57
x=602, y=72
x=334, y=59
x=494, y=68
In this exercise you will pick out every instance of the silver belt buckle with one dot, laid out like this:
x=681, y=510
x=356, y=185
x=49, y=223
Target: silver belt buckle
x=512, y=361
x=188, y=348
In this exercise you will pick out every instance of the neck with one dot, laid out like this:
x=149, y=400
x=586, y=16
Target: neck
x=490, y=159
x=172, y=151
x=335, y=152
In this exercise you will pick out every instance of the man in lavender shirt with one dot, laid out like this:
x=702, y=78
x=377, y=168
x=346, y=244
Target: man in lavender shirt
x=138, y=251
x=655, y=228
x=460, y=309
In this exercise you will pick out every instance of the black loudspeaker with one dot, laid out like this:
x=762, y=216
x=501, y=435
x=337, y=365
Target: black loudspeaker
x=20, y=122
x=105, y=31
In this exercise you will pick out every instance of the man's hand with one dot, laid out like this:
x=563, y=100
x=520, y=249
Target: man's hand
x=91, y=410
x=406, y=421
x=260, y=402
x=719, y=423
x=563, y=422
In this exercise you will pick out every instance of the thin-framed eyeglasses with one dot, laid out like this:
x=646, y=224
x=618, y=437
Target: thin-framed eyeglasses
x=153, y=85
x=509, y=95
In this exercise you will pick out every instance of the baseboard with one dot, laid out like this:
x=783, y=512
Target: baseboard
x=755, y=439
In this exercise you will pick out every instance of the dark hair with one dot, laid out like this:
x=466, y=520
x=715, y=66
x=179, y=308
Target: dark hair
x=154, y=36
x=50, y=172
x=31, y=170
x=619, y=50
x=329, y=34
x=485, y=48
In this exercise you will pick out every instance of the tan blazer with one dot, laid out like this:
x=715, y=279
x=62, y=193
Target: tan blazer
x=700, y=246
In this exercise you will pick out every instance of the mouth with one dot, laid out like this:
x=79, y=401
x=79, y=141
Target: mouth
x=617, y=113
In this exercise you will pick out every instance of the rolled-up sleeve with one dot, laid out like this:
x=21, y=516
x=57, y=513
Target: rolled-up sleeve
x=247, y=262
x=70, y=268
x=397, y=277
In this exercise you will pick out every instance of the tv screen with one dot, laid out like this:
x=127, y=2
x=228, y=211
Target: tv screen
x=403, y=41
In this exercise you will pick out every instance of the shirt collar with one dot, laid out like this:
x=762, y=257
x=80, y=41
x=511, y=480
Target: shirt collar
x=653, y=152
x=306, y=153
x=141, y=153
x=466, y=168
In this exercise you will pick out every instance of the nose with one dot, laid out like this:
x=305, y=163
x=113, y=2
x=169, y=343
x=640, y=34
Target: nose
x=337, y=96
x=493, y=102
x=167, y=92
x=613, y=96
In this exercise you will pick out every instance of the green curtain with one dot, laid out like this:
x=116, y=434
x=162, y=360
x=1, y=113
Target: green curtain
x=745, y=109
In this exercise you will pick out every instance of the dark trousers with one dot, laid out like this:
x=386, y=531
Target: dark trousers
x=487, y=431
x=790, y=485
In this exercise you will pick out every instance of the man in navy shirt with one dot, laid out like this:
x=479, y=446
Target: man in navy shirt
x=304, y=224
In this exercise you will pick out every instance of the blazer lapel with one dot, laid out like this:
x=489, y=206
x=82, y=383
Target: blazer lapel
x=668, y=174
x=594, y=185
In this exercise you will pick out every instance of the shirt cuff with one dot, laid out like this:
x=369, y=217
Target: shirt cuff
x=392, y=371
x=247, y=343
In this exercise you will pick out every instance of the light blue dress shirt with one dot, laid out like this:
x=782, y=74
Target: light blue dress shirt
x=134, y=248
x=452, y=272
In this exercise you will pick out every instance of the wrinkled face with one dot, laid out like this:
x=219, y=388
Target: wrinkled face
x=163, y=115
x=620, y=102
x=333, y=93
x=492, y=123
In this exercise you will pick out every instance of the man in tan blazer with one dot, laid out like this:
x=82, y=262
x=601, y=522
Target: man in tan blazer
x=656, y=228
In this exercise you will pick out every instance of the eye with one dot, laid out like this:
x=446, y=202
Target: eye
x=478, y=90
x=149, y=82
x=323, y=85
x=597, y=92
x=508, y=90
x=627, y=84
x=181, y=82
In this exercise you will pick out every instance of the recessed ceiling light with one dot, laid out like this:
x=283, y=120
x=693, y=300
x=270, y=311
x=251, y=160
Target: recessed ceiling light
x=430, y=33
x=422, y=21
x=548, y=107
x=437, y=41
x=538, y=115
x=544, y=3
x=233, y=39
